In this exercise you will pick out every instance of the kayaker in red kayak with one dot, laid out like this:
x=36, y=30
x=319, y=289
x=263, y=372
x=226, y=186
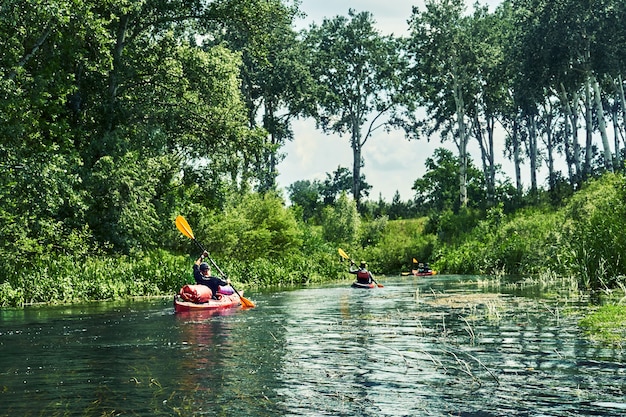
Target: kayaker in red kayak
x=202, y=275
x=363, y=276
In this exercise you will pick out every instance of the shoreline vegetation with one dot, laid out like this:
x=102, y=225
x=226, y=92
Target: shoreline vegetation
x=583, y=239
x=117, y=117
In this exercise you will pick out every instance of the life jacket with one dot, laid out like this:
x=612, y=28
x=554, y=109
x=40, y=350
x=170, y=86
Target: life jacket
x=363, y=276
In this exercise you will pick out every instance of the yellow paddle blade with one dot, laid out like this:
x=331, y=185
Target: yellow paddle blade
x=183, y=226
x=343, y=254
x=247, y=303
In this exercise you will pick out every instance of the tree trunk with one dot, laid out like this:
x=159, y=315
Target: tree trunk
x=548, y=117
x=576, y=152
x=517, y=160
x=616, y=134
x=532, y=152
x=114, y=74
x=487, y=154
x=588, y=132
x=608, y=157
x=462, y=145
x=568, y=137
x=622, y=98
x=356, y=163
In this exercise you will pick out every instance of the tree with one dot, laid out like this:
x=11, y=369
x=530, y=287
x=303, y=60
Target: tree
x=306, y=194
x=340, y=223
x=437, y=189
x=275, y=80
x=357, y=72
x=112, y=115
x=443, y=72
x=341, y=180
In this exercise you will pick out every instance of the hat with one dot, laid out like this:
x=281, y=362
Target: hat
x=204, y=266
x=363, y=264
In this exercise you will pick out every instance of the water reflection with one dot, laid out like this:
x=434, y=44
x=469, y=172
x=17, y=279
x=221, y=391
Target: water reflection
x=441, y=346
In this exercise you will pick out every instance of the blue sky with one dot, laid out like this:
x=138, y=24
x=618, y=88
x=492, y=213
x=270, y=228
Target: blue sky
x=391, y=162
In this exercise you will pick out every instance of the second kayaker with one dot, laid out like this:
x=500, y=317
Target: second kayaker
x=363, y=276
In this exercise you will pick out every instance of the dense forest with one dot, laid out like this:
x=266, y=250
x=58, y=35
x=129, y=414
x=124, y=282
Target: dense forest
x=117, y=116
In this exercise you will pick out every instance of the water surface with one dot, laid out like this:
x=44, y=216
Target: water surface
x=428, y=346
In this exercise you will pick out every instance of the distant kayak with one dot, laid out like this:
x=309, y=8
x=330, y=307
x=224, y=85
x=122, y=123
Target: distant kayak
x=419, y=273
x=364, y=286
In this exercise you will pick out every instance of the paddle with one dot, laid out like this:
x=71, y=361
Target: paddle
x=185, y=229
x=345, y=256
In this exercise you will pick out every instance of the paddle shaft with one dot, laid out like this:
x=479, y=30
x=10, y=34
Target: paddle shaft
x=184, y=227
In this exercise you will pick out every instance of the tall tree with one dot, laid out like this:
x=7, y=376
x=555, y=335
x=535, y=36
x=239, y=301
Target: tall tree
x=357, y=75
x=442, y=73
x=274, y=76
x=115, y=102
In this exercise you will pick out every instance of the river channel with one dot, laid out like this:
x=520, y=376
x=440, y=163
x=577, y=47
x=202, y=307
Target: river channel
x=428, y=346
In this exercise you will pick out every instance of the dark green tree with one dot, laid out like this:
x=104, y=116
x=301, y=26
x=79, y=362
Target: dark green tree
x=442, y=75
x=358, y=76
x=275, y=79
x=341, y=180
x=306, y=195
x=437, y=189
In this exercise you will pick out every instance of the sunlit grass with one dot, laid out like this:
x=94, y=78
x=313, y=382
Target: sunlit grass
x=607, y=324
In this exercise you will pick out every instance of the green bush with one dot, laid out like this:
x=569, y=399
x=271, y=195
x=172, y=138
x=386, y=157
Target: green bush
x=593, y=229
x=254, y=227
x=340, y=223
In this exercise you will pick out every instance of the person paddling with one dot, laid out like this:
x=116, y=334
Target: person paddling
x=363, y=276
x=202, y=275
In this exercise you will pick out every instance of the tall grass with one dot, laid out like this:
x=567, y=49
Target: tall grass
x=63, y=279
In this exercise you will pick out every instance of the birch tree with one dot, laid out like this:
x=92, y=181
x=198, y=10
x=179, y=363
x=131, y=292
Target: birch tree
x=441, y=74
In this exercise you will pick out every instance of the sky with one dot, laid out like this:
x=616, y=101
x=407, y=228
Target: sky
x=391, y=162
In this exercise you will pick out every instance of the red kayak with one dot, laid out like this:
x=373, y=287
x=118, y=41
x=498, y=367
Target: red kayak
x=423, y=274
x=199, y=298
x=356, y=284
x=225, y=302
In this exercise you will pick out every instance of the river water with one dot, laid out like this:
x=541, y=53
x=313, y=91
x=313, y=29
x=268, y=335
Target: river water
x=432, y=346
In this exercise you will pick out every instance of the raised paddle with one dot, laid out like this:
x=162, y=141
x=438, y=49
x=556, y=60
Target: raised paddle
x=185, y=229
x=344, y=255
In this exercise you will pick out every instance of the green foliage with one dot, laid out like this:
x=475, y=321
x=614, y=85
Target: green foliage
x=252, y=227
x=371, y=232
x=584, y=239
x=63, y=279
x=523, y=243
x=449, y=227
x=294, y=269
x=398, y=244
x=607, y=324
x=340, y=223
x=593, y=232
x=306, y=195
x=438, y=189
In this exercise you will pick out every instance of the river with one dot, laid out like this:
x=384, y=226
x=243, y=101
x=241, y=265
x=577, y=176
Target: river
x=428, y=346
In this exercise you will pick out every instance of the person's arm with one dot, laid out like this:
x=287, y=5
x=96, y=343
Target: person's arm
x=352, y=269
x=197, y=275
x=201, y=258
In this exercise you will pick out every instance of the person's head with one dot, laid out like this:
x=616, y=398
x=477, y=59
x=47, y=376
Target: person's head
x=363, y=265
x=205, y=268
